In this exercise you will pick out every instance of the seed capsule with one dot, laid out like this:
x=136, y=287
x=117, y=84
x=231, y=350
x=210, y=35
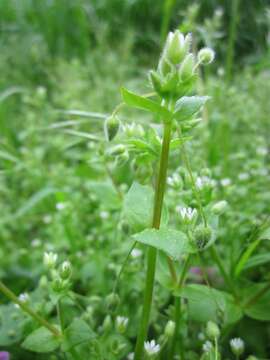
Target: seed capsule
x=111, y=127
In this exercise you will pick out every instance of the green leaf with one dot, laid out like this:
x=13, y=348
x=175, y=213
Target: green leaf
x=12, y=323
x=205, y=303
x=41, y=341
x=138, y=207
x=77, y=333
x=260, y=310
x=177, y=143
x=187, y=106
x=257, y=260
x=105, y=193
x=264, y=235
x=174, y=243
x=144, y=103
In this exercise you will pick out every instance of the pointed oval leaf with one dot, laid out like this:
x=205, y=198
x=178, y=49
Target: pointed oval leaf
x=138, y=207
x=41, y=341
x=174, y=243
x=187, y=106
x=144, y=103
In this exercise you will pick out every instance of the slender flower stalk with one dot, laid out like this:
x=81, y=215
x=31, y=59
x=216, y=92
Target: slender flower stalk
x=43, y=322
x=152, y=252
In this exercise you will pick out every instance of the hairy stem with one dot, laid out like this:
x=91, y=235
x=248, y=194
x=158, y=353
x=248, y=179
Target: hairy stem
x=152, y=252
x=43, y=322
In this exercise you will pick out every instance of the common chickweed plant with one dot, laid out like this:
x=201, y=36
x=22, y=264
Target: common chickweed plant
x=178, y=233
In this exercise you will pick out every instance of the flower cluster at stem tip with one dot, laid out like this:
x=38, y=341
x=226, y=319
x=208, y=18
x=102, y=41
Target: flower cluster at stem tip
x=177, y=66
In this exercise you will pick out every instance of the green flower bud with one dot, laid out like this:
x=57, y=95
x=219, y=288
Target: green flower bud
x=107, y=323
x=186, y=69
x=206, y=56
x=237, y=346
x=111, y=127
x=58, y=285
x=121, y=324
x=170, y=328
x=220, y=207
x=117, y=150
x=252, y=357
x=212, y=330
x=164, y=66
x=66, y=270
x=112, y=301
x=50, y=259
x=202, y=235
x=175, y=47
x=155, y=81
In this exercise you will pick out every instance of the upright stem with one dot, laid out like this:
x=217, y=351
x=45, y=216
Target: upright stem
x=152, y=252
x=43, y=322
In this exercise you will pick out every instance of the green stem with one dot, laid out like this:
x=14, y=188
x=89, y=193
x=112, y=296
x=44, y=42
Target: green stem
x=152, y=252
x=216, y=349
x=43, y=322
x=177, y=307
x=60, y=315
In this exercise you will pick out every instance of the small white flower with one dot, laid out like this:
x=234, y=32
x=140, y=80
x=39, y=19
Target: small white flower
x=204, y=181
x=50, y=259
x=24, y=298
x=35, y=243
x=262, y=151
x=121, y=323
x=104, y=215
x=225, y=182
x=243, y=176
x=136, y=253
x=47, y=219
x=130, y=356
x=207, y=346
x=151, y=347
x=60, y=206
x=174, y=180
x=133, y=130
x=237, y=346
x=187, y=213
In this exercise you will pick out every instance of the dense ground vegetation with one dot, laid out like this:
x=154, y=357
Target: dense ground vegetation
x=71, y=200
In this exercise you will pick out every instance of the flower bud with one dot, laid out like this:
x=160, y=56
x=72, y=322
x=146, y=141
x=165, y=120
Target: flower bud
x=58, y=285
x=212, y=330
x=237, y=346
x=220, y=207
x=155, y=81
x=175, y=47
x=206, y=56
x=66, y=270
x=107, y=323
x=202, y=235
x=170, y=328
x=111, y=127
x=164, y=66
x=117, y=150
x=112, y=301
x=50, y=259
x=121, y=324
x=186, y=69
